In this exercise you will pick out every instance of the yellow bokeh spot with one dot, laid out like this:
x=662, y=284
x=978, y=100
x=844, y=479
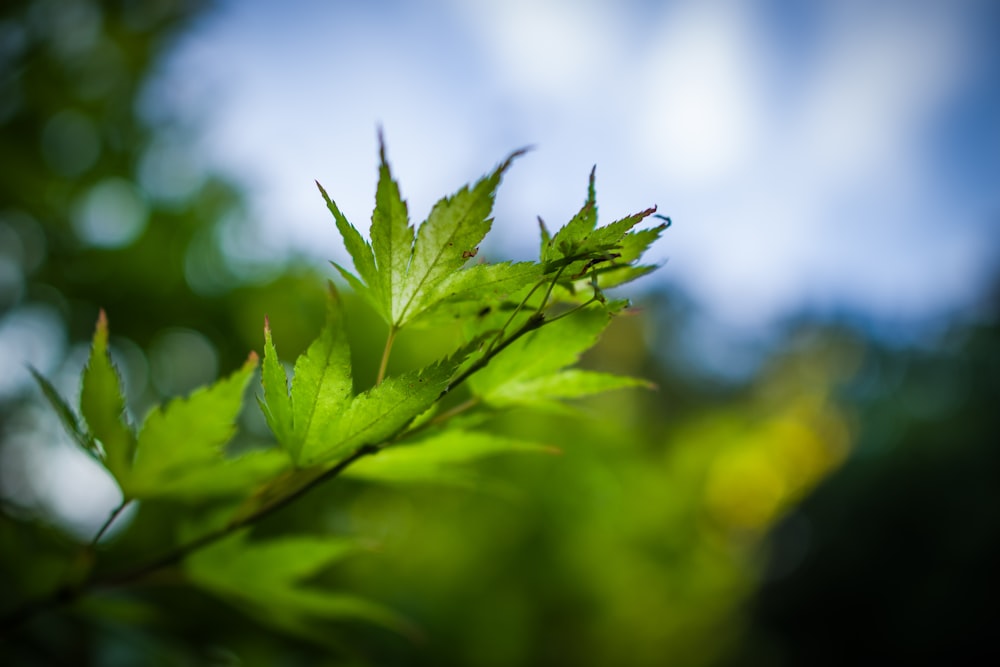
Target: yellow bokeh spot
x=767, y=466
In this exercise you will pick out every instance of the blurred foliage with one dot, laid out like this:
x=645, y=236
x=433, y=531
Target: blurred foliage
x=893, y=556
x=644, y=542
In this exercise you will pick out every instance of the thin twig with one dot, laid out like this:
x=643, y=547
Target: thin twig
x=572, y=310
x=520, y=306
x=548, y=292
x=107, y=524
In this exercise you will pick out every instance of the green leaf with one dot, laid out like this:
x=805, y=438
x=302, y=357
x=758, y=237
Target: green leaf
x=369, y=286
x=403, y=274
x=379, y=413
x=102, y=404
x=276, y=403
x=372, y=296
x=530, y=371
x=238, y=563
x=468, y=292
x=221, y=477
x=186, y=435
x=447, y=240
x=567, y=240
x=611, y=236
x=266, y=577
x=66, y=415
x=322, y=385
x=581, y=247
x=542, y=392
x=359, y=249
x=439, y=458
x=546, y=236
x=392, y=240
x=620, y=269
x=285, y=483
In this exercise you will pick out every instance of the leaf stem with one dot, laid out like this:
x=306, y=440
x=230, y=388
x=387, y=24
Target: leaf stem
x=518, y=309
x=385, y=354
x=457, y=410
x=536, y=321
x=439, y=419
x=107, y=524
x=548, y=292
x=572, y=310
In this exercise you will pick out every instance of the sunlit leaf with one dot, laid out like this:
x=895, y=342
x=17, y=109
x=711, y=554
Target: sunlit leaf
x=581, y=246
x=379, y=413
x=223, y=476
x=276, y=403
x=322, y=385
x=447, y=240
x=368, y=286
x=440, y=458
x=392, y=240
x=531, y=370
x=542, y=392
x=102, y=404
x=404, y=273
x=187, y=434
x=568, y=239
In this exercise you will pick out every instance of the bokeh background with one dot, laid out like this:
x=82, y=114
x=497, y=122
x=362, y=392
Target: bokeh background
x=814, y=480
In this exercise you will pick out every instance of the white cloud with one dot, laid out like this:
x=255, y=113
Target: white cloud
x=704, y=80
x=789, y=182
x=546, y=50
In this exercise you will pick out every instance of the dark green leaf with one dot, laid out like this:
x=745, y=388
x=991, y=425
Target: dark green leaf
x=66, y=415
x=266, y=578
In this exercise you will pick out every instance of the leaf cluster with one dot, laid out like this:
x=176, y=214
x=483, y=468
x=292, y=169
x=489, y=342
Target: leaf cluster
x=524, y=327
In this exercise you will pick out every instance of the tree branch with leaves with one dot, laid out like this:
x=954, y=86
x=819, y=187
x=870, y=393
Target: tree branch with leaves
x=525, y=325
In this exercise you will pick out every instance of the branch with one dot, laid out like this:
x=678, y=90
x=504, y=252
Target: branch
x=70, y=593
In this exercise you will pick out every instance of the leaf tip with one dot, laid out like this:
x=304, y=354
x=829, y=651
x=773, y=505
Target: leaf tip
x=326, y=197
x=513, y=156
x=381, y=144
x=334, y=292
x=102, y=323
x=267, y=326
x=252, y=360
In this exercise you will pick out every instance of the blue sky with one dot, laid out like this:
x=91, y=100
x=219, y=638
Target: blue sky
x=838, y=156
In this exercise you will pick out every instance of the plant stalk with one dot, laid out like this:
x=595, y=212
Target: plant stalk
x=385, y=354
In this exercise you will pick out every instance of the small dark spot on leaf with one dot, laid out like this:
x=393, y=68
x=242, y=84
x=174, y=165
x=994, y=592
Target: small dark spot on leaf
x=468, y=254
x=484, y=312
